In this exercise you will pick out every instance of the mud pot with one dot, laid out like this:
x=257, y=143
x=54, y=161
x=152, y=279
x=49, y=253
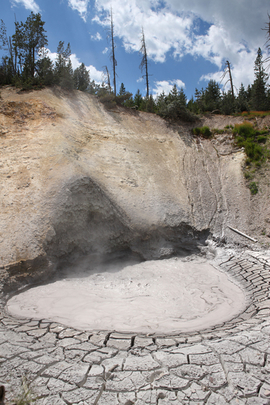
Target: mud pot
x=159, y=296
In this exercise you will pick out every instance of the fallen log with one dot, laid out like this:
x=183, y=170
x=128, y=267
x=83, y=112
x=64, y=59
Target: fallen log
x=242, y=234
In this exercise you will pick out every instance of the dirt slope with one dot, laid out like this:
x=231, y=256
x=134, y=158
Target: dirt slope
x=77, y=179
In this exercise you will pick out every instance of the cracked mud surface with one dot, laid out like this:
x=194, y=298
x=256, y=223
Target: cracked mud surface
x=228, y=363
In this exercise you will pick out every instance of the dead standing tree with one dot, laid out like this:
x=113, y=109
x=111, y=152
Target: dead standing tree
x=107, y=76
x=267, y=29
x=114, y=62
x=144, y=63
x=228, y=70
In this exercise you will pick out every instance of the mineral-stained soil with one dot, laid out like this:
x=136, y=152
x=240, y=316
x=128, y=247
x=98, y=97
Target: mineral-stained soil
x=78, y=179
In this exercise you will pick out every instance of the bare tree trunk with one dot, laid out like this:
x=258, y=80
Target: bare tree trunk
x=144, y=63
x=228, y=70
x=114, y=62
x=230, y=75
x=108, y=78
x=267, y=29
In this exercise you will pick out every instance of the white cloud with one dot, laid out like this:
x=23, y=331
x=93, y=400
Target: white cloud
x=105, y=50
x=167, y=86
x=242, y=19
x=28, y=4
x=179, y=84
x=75, y=61
x=95, y=74
x=234, y=34
x=80, y=6
x=96, y=37
x=163, y=30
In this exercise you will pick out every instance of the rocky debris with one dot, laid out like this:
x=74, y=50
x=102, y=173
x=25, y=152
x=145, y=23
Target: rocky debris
x=227, y=364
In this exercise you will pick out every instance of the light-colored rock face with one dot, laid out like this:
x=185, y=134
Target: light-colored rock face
x=78, y=179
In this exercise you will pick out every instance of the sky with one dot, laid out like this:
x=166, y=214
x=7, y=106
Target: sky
x=187, y=41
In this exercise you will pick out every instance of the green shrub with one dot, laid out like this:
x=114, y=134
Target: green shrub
x=203, y=131
x=245, y=130
x=108, y=100
x=218, y=131
x=196, y=131
x=251, y=140
x=253, y=150
x=262, y=139
x=122, y=98
x=175, y=111
x=263, y=132
x=253, y=188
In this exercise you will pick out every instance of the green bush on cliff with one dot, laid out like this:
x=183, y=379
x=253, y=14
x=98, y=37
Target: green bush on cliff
x=202, y=131
x=251, y=139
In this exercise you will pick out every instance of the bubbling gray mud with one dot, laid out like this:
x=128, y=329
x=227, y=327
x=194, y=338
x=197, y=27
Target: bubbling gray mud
x=160, y=296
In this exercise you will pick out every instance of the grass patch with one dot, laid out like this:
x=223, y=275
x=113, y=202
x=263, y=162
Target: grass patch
x=253, y=188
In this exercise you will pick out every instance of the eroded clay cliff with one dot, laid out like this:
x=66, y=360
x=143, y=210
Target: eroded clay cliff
x=78, y=179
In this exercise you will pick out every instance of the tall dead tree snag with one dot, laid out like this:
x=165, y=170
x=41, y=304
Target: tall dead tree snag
x=267, y=29
x=114, y=62
x=144, y=63
x=107, y=76
x=228, y=70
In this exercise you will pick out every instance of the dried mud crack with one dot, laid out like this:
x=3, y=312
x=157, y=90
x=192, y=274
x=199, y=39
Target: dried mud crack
x=227, y=363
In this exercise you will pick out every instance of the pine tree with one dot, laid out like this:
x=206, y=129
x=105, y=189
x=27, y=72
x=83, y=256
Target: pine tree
x=182, y=98
x=138, y=100
x=81, y=78
x=227, y=104
x=44, y=67
x=63, y=72
x=150, y=104
x=173, y=94
x=259, y=88
x=242, y=100
x=29, y=37
x=122, y=90
x=161, y=101
x=211, y=96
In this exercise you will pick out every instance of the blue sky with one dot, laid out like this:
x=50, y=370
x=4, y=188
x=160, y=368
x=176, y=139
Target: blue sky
x=187, y=41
